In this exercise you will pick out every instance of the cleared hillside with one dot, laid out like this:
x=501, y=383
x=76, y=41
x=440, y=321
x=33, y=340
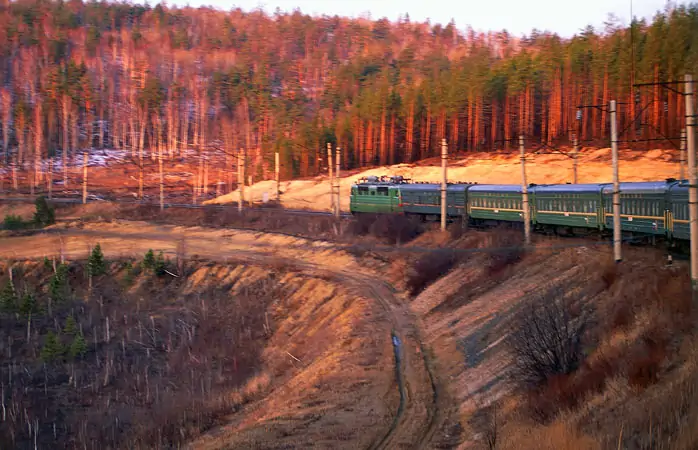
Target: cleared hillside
x=594, y=166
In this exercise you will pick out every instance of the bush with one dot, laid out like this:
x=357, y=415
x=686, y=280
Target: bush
x=13, y=222
x=429, y=268
x=44, y=215
x=546, y=339
x=508, y=251
x=389, y=228
x=160, y=266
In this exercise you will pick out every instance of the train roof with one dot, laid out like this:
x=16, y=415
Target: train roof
x=680, y=185
x=574, y=188
x=515, y=188
x=421, y=187
x=640, y=187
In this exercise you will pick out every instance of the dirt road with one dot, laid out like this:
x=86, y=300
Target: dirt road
x=417, y=417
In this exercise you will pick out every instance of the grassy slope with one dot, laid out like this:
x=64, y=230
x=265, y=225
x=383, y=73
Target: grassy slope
x=215, y=341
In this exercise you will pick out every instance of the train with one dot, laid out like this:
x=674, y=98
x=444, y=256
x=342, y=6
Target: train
x=651, y=210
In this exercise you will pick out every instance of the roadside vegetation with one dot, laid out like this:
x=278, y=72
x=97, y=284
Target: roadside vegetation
x=44, y=215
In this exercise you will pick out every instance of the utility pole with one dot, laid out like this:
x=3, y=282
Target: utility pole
x=50, y=179
x=162, y=180
x=329, y=169
x=575, y=155
x=524, y=193
x=338, y=158
x=616, y=186
x=276, y=165
x=682, y=156
x=444, y=185
x=84, y=176
x=241, y=177
x=692, y=188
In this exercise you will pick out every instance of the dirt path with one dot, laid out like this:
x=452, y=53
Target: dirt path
x=417, y=417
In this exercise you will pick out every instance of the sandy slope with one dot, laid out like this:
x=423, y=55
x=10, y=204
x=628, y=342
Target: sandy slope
x=594, y=167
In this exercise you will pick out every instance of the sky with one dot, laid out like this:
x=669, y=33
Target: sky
x=518, y=17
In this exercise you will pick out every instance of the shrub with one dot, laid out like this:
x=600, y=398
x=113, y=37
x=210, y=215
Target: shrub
x=429, y=268
x=546, y=339
x=160, y=265
x=507, y=251
x=390, y=228
x=44, y=214
x=95, y=263
x=13, y=222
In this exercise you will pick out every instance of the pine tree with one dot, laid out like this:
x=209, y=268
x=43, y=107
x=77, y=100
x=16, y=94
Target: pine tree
x=78, y=347
x=71, y=327
x=8, y=298
x=44, y=215
x=28, y=306
x=95, y=264
x=58, y=285
x=53, y=349
x=149, y=260
x=160, y=265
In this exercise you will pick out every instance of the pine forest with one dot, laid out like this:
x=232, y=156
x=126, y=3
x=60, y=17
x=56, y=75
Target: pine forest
x=191, y=82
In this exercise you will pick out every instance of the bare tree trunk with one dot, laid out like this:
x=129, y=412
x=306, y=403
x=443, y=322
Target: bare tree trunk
x=38, y=142
x=162, y=177
x=141, y=145
x=66, y=143
x=6, y=118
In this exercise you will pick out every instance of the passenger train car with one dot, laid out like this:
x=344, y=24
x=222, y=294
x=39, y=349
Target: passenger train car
x=657, y=209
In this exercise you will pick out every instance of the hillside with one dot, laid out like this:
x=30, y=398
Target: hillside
x=203, y=84
x=141, y=360
x=593, y=167
x=325, y=325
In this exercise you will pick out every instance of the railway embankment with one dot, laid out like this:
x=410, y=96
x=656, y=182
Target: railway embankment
x=556, y=346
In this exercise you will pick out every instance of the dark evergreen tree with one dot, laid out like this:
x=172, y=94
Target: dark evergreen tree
x=44, y=214
x=95, y=264
x=52, y=349
x=8, y=298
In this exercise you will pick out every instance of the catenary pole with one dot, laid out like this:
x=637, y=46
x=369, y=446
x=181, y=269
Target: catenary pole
x=524, y=194
x=693, y=186
x=616, y=186
x=444, y=182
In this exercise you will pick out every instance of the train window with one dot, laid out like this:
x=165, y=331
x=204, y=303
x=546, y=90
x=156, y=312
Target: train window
x=363, y=190
x=383, y=191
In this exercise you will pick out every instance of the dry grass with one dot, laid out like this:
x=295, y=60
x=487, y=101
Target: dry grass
x=228, y=349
